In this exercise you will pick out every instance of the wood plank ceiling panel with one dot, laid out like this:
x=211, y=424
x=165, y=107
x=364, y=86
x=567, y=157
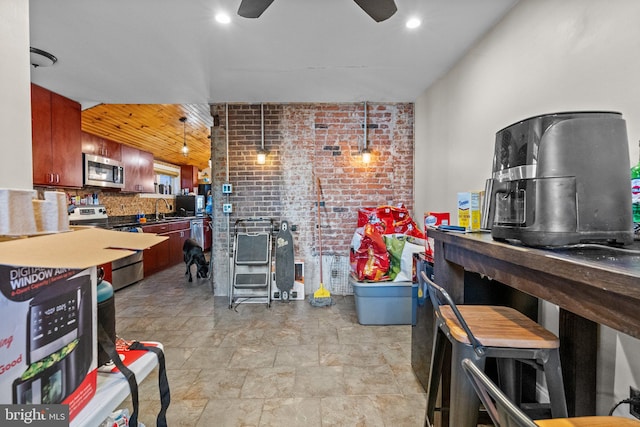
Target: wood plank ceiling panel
x=155, y=128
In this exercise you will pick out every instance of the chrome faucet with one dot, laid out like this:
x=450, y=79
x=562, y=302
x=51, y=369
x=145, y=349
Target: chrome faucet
x=166, y=204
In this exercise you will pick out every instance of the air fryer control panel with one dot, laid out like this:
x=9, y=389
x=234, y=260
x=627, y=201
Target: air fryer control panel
x=54, y=324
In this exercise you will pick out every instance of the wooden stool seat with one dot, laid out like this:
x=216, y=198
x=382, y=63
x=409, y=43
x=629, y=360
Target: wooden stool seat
x=496, y=326
x=589, y=422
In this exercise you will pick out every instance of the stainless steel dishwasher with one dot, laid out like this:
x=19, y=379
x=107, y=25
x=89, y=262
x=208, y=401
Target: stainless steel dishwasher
x=197, y=231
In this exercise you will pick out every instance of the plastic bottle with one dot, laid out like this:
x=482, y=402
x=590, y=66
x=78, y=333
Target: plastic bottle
x=635, y=192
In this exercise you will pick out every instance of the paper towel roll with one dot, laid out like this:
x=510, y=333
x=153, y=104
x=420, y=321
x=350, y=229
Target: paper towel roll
x=60, y=200
x=16, y=212
x=46, y=215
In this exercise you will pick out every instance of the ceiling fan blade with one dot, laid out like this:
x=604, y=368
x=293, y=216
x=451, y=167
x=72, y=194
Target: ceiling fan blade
x=253, y=8
x=379, y=10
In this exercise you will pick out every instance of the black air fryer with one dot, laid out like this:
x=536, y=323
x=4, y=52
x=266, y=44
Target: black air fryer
x=561, y=179
x=59, y=344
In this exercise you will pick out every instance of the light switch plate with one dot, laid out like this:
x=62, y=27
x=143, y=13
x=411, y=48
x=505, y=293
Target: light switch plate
x=227, y=208
x=227, y=188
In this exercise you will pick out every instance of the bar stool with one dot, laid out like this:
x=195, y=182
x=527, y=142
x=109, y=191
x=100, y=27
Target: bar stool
x=505, y=413
x=480, y=331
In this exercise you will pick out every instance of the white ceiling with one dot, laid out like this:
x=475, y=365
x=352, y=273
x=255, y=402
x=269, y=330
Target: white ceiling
x=173, y=51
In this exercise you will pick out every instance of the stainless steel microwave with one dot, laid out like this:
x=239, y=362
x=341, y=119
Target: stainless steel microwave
x=103, y=172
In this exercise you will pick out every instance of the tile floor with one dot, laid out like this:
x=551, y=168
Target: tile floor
x=290, y=365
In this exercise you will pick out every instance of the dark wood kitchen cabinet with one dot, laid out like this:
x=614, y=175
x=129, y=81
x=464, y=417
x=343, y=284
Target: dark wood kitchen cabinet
x=138, y=170
x=169, y=252
x=188, y=177
x=98, y=146
x=56, y=139
x=156, y=258
x=176, y=242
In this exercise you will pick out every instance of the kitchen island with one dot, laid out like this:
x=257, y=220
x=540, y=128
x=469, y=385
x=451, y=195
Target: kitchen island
x=591, y=285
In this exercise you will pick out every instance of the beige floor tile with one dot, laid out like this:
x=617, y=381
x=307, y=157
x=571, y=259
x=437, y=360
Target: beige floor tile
x=297, y=355
x=206, y=339
x=398, y=410
x=216, y=384
x=243, y=337
x=208, y=358
x=291, y=412
x=231, y=413
x=175, y=357
x=358, y=411
x=351, y=354
x=268, y=383
x=319, y=381
x=370, y=380
x=253, y=357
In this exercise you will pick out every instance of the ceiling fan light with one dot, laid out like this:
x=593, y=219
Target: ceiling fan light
x=413, y=23
x=223, y=18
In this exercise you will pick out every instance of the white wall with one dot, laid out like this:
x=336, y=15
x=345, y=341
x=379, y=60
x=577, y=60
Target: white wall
x=15, y=98
x=545, y=56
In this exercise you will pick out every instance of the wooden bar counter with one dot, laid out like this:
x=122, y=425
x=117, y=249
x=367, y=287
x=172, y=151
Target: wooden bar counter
x=591, y=285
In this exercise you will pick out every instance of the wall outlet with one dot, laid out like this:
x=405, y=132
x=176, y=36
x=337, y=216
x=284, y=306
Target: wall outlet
x=227, y=188
x=634, y=408
x=227, y=208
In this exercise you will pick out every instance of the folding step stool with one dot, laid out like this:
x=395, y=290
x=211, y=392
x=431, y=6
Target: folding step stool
x=251, y=266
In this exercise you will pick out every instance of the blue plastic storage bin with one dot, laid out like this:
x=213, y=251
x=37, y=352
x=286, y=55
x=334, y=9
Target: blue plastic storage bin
x=386, y=303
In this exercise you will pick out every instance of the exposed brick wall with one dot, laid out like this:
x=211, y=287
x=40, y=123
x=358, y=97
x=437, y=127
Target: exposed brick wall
x=307, y=143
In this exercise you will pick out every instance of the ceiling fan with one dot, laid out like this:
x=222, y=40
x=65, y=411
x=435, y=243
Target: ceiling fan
x=379, y=10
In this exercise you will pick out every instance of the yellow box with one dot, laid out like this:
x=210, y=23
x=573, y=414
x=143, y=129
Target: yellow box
x=469, y=215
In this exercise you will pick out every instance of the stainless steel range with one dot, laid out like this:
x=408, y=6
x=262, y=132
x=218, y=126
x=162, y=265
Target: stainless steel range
x=125, y=271
x=93, y=215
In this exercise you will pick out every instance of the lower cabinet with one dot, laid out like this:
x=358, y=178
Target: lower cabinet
x=169, y=252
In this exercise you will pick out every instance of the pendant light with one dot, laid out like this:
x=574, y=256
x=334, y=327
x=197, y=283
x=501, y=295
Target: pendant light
x=262, y=153
x=366, y=153
x=185, y=149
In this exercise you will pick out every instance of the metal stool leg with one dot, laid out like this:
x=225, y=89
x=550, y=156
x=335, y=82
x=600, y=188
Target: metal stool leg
x=435, y=373
x=555, y=385
x=509, y=379
x=465, y=403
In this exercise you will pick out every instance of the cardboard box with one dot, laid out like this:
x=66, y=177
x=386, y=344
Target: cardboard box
x=386, y=303
x=48, y=336
x=469, y=210
x=433, y=219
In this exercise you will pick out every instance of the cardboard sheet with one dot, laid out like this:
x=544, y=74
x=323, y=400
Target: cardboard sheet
x=83, y=248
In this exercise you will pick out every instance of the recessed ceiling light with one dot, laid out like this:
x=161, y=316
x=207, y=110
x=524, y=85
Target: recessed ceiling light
x=223, y=18
x=413, y=23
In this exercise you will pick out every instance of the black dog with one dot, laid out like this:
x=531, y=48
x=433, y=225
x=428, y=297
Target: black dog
x=193, y=254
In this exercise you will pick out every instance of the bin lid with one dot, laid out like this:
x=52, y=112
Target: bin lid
x=104, y=291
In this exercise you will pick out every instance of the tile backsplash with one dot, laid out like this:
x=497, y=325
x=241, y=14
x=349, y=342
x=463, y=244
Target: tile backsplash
x=120, y=204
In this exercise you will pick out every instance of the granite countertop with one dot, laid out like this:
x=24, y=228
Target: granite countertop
x=116, y=222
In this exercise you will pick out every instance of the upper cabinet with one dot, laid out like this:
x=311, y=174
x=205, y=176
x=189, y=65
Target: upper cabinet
x=56, y=139
x=98, y=146
x=188, y=177
x=138, y=170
